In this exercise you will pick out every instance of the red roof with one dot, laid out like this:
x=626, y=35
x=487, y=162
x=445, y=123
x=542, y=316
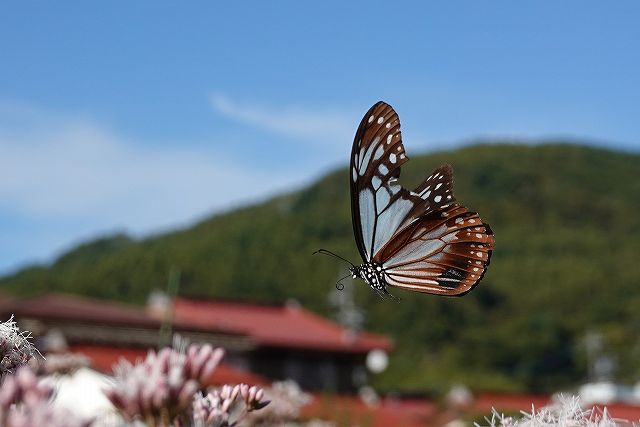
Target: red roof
x=84, y=309
x=351, y=410
x=277, y=326
x=103, y=358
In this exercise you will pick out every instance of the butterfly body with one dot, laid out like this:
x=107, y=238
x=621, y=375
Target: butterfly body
x=420, y=240
x=372, y=274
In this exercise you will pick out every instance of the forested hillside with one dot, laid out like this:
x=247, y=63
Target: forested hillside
x=567, y=261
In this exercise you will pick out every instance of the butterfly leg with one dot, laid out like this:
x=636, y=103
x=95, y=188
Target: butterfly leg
x=393, y=297
x=380, y=293
x=385, y=294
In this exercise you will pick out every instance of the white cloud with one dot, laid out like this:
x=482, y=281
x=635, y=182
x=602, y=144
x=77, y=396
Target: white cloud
x=57, y=170
x=311, y=126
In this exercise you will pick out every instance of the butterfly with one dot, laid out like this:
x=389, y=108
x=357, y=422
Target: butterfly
x=420, y=240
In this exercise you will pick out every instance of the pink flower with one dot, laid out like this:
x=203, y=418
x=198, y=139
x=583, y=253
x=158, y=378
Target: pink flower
x=162, y=386
x=24, y=402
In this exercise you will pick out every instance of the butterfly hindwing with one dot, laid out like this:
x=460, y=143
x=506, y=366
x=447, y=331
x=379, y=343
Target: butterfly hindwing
x=445, y=252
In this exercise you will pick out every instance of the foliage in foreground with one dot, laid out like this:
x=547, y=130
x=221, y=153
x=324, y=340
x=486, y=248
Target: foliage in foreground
x=166, y=389
x=565, y=412
x=163, y=390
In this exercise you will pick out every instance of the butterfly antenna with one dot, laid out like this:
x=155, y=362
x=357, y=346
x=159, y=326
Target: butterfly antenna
x=326, y=252
x=339, y=284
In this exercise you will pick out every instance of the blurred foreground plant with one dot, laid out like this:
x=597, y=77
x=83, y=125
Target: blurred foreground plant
x=162, y=390
x=287, y=400
x=565, y=412
x=25, y=402
x=15, y=347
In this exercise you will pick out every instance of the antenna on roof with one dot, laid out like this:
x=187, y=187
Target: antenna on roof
x=165, y=333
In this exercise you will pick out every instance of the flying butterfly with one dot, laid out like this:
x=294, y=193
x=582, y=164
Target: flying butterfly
x=420, y=240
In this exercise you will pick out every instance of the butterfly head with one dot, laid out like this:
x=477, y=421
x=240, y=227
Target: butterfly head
x=356, y=272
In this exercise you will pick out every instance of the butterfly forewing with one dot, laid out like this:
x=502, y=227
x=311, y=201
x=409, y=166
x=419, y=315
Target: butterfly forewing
x=378, y=202
x=379, y=205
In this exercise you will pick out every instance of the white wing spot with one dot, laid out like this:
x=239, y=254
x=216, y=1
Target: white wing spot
x=388, y=125
x=380, y=120
x=458, y=220
x=426, y=195
x=402, y=156
x=376, y=182
x=370, y=119
x=478, y=263
x=354, y=174
x=472, y=253
x=389, y=138
x=445, y=214
x=439, y=185
x=437, y=199
x=478, y=235
x=383, y=169
x=475, y=269
x=379, y=152
x=448, y=197
x=392, y=158
x=471, y=221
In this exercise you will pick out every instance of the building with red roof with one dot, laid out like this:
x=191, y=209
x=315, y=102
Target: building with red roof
x=263, y=342
x=290, y=342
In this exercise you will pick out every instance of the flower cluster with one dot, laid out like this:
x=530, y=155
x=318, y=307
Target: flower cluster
x=24, y=402
x=161, y=388
x=215, y=409
x=15, y=347
x=566, y=411
x=287, y=400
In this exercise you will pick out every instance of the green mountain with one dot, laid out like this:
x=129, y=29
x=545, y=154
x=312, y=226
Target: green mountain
x=566, y=223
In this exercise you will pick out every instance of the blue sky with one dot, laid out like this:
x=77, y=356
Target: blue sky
x=144, y=116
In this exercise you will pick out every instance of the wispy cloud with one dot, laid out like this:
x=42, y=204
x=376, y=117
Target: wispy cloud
x=318, y=126
x=77, y=177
